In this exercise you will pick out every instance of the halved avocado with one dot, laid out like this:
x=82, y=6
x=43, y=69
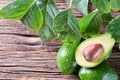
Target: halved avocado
x=101, y=46
x=101, y=72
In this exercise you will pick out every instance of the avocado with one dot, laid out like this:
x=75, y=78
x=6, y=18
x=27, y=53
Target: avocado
x=66, y=58
x=93, y=51
x=101, y=72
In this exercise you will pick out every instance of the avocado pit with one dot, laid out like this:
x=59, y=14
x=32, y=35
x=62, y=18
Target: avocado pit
x=93, y=52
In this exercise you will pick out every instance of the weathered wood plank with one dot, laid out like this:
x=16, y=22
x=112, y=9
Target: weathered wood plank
x=18, y=64
x=18, y=42
x=30, y=63
x=23, y=55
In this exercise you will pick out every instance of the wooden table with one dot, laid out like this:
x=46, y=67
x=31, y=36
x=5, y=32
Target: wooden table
x=23, y=55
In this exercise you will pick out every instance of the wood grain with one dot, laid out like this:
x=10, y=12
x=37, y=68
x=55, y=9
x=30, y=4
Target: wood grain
x=23, y=55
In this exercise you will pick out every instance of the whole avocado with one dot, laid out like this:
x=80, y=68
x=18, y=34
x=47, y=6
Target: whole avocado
x=101, y=72
x=66, y=58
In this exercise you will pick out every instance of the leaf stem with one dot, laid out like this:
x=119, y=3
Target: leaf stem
x=70, y=5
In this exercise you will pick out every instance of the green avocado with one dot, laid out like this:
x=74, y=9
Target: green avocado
x=101, y=72
x=93, y=51
x=66, y=58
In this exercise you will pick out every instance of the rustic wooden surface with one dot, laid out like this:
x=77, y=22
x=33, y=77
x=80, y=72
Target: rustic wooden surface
x=23, y=55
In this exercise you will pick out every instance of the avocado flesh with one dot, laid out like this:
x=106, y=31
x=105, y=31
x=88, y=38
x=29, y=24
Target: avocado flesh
x=105, y=40
x=101, y=72
x=66, y=58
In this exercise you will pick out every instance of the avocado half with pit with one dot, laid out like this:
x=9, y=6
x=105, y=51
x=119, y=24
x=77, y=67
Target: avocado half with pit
x=94, y=51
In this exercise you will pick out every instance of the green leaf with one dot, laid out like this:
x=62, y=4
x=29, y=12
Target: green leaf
x=66, y=25
x=81, y=5
x=49, y=11
x=25, y=10
x=16, y=9
x=102, y=5
x=115, y=4
x=114, y=28
x=90, y=24
x=106, y=17
x=34, y=18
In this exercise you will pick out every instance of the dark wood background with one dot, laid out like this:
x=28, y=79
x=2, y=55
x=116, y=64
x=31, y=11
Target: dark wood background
x=23, y=55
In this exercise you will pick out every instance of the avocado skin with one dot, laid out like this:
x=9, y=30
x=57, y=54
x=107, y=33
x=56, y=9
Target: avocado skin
x=101, y=72
x=66, y=58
